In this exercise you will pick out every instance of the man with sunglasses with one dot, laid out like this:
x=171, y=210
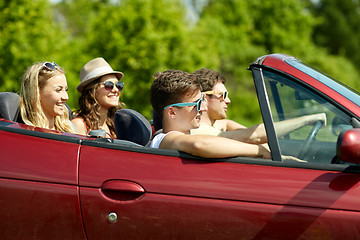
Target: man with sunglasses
x=176, y=97
x=214, y=122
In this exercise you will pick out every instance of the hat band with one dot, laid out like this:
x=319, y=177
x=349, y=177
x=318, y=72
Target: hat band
x=97, y=72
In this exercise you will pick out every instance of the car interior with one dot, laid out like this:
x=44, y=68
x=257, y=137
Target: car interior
x=9, y=106
x=134, y=130
x=311, y=143
x=131, y=127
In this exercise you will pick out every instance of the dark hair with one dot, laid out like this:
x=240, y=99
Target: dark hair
x=170, y=87
x=209, y=78
x=89, y=109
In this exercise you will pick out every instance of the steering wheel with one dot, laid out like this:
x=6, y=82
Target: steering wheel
x=310, y=138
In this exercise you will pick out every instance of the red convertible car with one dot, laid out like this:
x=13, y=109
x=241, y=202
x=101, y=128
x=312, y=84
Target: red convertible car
x=65, y=186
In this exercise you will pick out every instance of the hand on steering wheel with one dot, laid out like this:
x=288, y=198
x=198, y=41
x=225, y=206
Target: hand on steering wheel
x=315, y=129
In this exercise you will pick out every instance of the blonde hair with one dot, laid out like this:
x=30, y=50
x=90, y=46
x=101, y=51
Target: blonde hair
x=32, y=113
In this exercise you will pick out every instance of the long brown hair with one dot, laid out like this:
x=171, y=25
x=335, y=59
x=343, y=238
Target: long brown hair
x=89, y=109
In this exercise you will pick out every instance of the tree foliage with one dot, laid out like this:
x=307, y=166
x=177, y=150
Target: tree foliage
x=142, y=37
x=337, y=31
x=29, y=33
x=338, y=27
x=244, y=30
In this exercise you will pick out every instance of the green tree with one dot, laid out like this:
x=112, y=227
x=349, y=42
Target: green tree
x=244, y=30
x=226, y=25
x=75, y=18
x=282, y=25
x=338, y=28
x=141, y=37
x=29, y=34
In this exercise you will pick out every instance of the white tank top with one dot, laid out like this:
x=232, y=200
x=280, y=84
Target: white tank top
x=157, y=140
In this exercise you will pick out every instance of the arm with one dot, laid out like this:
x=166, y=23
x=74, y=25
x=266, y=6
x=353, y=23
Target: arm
x=228, y=125
x=284, y=127
x=212, y=146
x=257, y=134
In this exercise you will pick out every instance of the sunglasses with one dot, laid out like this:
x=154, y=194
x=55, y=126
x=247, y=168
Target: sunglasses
x=51, y=66
x=224, y=94
x=198, y=104
x=109, y=86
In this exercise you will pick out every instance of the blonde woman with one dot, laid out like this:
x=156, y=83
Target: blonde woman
x=43, y=96
x=100, y=90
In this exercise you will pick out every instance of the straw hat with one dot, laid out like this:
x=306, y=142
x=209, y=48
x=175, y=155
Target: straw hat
x=94, y=69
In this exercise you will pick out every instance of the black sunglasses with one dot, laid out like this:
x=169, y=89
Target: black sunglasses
x=109, y=86
x=51, y=66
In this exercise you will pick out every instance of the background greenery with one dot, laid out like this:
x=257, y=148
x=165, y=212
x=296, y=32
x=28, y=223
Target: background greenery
x=142, y=37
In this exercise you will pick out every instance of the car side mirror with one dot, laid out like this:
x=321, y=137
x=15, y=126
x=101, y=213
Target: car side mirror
x=348, y=146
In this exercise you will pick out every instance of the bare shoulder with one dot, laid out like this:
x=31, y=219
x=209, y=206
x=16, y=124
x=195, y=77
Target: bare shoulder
x=172, y=140
x=221, y=124
x=78, y=121
x=172, y=136
x=79, y=125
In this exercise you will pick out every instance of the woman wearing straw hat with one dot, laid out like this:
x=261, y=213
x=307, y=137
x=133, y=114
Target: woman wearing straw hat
x=100, y=90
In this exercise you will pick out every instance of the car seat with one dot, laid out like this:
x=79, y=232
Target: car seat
x=9, y=106
x=157, y=122
x=132, y=126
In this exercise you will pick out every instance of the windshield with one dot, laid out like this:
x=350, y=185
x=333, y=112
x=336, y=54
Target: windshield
x=337, y=86
x=291, y=101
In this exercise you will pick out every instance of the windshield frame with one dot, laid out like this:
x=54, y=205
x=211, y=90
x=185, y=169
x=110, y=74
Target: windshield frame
x=339, y=87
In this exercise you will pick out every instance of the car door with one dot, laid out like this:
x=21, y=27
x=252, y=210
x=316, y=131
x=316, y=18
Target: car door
x=140, y=193
x=130, y=192
x=38, y=184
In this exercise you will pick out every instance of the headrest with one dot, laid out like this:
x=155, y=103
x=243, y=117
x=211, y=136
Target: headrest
x=157, y=122
x=71, y=113
x=130, y=125
x=9, y=105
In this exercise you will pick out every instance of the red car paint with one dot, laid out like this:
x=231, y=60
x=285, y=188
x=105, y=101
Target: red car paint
x=64, y=186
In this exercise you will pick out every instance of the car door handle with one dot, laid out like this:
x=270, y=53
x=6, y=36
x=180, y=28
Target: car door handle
x=122, y=190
